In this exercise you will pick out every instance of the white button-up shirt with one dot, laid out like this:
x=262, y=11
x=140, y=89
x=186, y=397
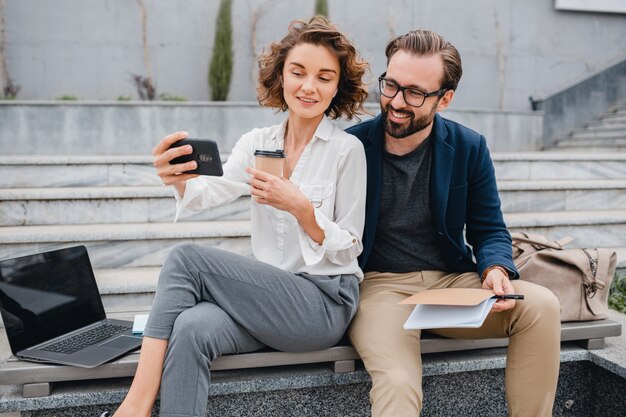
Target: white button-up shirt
x=331, y=172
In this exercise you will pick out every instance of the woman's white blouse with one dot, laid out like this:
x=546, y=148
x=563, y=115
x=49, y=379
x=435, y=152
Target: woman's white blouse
x=331, y=172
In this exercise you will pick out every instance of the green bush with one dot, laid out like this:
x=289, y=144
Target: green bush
x=172, y=97
x=221, y=68
x=321, y=7
x=617, y=294
x=67, y=97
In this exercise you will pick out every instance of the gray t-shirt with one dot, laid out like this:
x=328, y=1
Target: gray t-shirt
x=405, y=236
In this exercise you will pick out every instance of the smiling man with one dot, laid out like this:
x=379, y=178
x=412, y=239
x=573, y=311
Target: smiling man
x=431, y=191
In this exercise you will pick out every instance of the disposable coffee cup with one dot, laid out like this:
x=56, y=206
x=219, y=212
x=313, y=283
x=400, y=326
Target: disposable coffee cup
x=270, y=161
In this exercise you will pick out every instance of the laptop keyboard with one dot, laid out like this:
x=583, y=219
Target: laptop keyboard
x=87, y=338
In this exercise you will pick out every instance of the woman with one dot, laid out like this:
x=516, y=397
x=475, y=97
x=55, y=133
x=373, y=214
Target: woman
x=300, y=291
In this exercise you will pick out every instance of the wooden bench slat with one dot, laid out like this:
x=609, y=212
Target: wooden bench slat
x=17, y=372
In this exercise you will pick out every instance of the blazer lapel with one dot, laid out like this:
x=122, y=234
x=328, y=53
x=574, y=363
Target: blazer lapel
x=441, y=172
x=374, y=156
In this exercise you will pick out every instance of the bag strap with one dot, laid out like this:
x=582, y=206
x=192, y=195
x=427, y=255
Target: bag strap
x=598, y=278
x=541, y=241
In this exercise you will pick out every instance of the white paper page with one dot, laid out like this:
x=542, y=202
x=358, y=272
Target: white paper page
x=140, y=323
x=441, y=316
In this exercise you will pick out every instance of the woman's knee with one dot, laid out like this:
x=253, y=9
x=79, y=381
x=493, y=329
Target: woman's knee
x=182, y=262
x=187, y=324
x=200, y=328
x=181, y=252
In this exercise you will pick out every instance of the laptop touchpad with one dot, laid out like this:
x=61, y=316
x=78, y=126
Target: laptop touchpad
x=121, y=342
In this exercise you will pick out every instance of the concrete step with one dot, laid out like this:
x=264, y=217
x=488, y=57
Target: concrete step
x=560, y=165
x=604, y=127
x=118, y=171
x=87, y=205
x=614, y=117
x=76, y=171
x=591, y=149
x=146, y=244
x=597, y=134
x=591, y=142
x=584, y=149
x=123, y=287
x=125, y=245
x=153, y=204
x=615, y=144
x=23, y=171
x=562, y=195
x=603, y=229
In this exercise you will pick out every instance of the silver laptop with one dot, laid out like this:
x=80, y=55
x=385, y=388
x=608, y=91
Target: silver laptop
x=52, y=311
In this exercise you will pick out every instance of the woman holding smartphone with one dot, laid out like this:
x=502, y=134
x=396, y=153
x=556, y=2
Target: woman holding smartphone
x=300, y=290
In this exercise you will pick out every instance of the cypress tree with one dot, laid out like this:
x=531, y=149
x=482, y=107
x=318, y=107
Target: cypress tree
x=321, y=7
x=221, y=68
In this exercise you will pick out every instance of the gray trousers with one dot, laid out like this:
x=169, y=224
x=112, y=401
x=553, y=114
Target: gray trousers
x=210, y=303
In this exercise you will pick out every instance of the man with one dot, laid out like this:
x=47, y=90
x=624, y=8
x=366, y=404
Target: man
x=428, y=178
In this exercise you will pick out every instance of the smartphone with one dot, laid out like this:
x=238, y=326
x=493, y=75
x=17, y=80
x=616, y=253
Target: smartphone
x=206, y=155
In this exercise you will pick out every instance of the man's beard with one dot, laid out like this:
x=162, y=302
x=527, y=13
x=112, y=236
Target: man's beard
x=398, y=131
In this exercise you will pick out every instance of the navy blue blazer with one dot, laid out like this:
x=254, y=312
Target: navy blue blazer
x=463, y=193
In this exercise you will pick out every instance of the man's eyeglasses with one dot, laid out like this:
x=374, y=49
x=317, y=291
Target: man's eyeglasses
x=412, y=96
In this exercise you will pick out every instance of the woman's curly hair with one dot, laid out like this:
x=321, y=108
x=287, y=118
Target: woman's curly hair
x=318, y=30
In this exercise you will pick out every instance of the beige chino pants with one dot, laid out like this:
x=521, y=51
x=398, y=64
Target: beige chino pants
x=392, y=355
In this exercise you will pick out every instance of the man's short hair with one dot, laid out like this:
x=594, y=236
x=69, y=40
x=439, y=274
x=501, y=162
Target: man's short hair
x=426, y=42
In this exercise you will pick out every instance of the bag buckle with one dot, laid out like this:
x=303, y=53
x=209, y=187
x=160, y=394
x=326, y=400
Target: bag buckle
x=591, y=289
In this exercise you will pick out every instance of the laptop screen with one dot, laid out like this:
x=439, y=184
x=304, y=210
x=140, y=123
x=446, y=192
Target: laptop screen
x=46, y=295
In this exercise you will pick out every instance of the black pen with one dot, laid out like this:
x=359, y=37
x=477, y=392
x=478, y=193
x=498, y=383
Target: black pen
x=509, y=297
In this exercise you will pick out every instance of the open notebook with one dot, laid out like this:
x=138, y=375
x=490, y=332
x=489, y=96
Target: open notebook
x=449, y=307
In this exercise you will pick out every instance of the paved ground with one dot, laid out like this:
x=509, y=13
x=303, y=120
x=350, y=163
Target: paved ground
x=614, y=353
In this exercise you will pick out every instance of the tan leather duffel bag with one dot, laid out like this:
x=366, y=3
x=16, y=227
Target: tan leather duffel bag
x=580, y=278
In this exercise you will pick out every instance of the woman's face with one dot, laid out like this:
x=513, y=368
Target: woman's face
x=310, y=79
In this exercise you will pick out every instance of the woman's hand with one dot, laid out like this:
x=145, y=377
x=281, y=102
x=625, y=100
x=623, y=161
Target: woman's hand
x=279, y=193
x=173, y=174
x=283, y=194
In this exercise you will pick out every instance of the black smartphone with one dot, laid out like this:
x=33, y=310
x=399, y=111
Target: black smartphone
x=206, y=155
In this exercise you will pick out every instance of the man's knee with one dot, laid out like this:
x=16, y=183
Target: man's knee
x=539, y=310
x=540, y=301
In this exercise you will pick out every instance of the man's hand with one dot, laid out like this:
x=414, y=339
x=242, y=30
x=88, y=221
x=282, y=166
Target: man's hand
x=499, y=283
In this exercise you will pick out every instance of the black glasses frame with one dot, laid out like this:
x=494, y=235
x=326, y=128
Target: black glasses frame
x=382, y=80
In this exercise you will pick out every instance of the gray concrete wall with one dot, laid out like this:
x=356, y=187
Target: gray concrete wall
x=112, y=128
x=511, y=49
x=589, y=99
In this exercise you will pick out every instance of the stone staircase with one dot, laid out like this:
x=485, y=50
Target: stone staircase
x=605, y=134
x=116, y=207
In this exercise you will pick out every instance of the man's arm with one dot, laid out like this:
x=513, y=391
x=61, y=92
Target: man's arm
x=486, y=231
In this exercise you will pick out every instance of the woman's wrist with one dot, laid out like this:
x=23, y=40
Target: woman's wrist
x=303, y=210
